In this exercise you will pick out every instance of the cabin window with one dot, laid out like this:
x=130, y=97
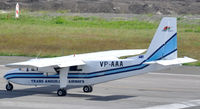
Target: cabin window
x=34, y=69
x=74, y=68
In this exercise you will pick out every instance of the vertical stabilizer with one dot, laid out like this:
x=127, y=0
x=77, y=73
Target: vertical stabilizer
x=164, y=43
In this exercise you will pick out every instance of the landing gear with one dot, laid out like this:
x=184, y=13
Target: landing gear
x=9, y=87
x=87, y=89
x=63, y=74
x=61, y=92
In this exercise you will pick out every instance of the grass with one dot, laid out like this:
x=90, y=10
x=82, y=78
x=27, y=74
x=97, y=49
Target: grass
x=64, y=35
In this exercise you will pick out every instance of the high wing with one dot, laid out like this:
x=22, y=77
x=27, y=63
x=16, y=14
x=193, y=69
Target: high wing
x=74, y=60
x=47, y=62
x=172, y=61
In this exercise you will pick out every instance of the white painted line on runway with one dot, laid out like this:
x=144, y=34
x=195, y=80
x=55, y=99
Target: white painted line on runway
x=181, y=105
x=170, y=74
x=39, y=105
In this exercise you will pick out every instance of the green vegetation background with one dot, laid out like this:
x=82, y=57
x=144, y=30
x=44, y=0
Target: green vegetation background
x=64, y=35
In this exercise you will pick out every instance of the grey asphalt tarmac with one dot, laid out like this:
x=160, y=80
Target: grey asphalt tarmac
x=173, y=88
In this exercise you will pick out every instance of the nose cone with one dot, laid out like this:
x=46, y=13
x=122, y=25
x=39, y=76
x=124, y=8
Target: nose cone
x=9, y=73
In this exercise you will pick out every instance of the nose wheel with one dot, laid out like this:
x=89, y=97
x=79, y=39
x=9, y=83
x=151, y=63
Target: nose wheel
x=9, y=87
x=87, y=89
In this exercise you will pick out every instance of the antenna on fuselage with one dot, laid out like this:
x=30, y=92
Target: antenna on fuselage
x=38, y=55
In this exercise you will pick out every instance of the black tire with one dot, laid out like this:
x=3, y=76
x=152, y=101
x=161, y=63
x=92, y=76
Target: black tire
x=61, y=92
x=91, y=88
x=87, y=89
x=9, y=87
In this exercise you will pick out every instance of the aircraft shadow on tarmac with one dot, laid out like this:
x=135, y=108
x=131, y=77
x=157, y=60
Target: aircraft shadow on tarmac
x=50, y=91
x=101, y=98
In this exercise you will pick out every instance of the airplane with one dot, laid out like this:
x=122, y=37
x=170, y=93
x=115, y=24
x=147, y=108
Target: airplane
x=86, y=70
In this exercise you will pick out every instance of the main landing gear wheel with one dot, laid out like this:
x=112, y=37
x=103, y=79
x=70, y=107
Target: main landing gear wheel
x=61, y=92
x=9, y=87
x=87, y=89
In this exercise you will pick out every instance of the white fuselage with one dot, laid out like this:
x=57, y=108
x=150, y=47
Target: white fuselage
x=93, y=72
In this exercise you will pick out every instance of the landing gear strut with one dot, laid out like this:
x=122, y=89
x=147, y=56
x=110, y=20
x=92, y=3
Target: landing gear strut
x=63, y=74
x=61, y=92
x=9, y=87
x=87, y=89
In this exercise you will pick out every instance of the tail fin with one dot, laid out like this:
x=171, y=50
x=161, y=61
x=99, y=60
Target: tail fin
x=164, y=43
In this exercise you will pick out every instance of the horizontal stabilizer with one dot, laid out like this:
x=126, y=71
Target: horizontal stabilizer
x=173, y=61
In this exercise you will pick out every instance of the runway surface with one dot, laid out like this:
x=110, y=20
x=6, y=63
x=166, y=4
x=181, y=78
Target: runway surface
x=167, y=89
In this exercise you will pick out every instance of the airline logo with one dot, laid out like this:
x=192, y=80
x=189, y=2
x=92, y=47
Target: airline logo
x=167, y=28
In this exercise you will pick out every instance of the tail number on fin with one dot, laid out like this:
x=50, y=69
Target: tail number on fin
x=111, y=63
